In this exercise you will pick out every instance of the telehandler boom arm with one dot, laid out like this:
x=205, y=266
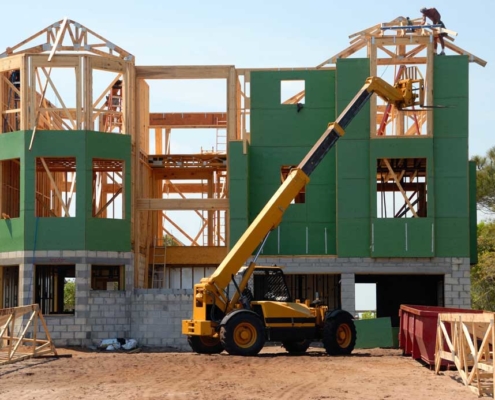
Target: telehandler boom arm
x=211, y=290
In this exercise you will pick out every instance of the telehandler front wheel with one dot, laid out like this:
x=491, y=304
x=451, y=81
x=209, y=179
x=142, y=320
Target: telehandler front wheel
x=339, y=335
x=243, y=335
x=205, y=344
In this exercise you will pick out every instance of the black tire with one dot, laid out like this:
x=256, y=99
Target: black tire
x=205, y=344
x=339, y=335
x=297, y=347
x=243, y=335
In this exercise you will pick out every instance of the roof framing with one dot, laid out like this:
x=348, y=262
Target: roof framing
x=65, y=36
x=399, y=32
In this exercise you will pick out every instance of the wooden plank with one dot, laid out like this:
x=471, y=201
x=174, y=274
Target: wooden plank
x=188, y=120
x=472, y=57
x=183, y=72
x=11, y=63
x=486, y=317
x=232, y=105
x=59, y=38
x=182, y=204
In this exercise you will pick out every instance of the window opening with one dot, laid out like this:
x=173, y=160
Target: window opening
x=107, y=277
x=10, y=188
x=55, y=288
x=108, y=189
x=55, y=191
x=401, y=186
x=292, y=92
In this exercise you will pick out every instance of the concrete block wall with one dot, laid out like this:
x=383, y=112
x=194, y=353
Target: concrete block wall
x=157, y=314
x=154, y=316
x=458, y=284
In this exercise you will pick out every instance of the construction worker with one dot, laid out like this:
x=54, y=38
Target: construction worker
x=434, y=16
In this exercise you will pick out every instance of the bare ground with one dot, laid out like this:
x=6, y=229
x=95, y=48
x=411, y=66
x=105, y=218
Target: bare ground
x=366, y=374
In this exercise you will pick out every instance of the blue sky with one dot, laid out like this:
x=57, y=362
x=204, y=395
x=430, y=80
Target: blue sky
x=260, y=34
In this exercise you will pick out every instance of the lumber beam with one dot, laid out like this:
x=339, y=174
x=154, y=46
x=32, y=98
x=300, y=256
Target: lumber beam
x=183, y=72
x=182, y=204
x=188, y=120
x=189, y=255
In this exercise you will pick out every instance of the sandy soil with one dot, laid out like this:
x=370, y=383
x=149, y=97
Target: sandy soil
x=367, y=374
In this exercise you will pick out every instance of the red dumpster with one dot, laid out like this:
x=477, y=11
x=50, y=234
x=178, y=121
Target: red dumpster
x=418, y=329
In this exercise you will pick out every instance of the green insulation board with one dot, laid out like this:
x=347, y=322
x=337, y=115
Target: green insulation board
x=281, y=136
x=353, y=152
x=81, y=232
x=373, y=333
x=238, y=173
x=402, y=237
x=450, y=153
x=12, y=230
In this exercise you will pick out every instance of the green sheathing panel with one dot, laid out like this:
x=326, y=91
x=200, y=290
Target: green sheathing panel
x=82, y=232
x=12, y=230
x=450, y=133
x=372, y=333
x=403, y=237
x=101, y=233
x=280, y=135
x=238, y=168
x=473, y=223
x=353, y=149
x=54, y=233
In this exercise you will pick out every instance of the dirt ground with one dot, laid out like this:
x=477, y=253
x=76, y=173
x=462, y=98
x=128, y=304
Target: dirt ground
x=366, y=374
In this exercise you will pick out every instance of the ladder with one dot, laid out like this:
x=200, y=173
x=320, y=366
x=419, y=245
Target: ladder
x=221, y=140
x=158, y=271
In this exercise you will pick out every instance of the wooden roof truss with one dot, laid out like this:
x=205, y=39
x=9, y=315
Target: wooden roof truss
x=68, y=36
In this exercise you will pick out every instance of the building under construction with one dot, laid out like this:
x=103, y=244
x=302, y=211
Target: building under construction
x=94, y=195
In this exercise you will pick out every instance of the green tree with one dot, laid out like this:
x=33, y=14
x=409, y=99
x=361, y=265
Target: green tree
x=69, y=294
x=368, y=315
x=485, y=181
x=483, y=273
x=170, y=240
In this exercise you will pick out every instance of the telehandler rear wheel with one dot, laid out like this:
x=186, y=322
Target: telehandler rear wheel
x=297, y=347
x=205, y=344
x=243, y=335
x=339, y=335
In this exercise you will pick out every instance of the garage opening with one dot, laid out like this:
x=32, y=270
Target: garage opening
x=394, y=290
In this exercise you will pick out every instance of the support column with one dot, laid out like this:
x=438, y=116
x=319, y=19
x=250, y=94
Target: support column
x=457, y=284
x=348, y=292
x=26, y=284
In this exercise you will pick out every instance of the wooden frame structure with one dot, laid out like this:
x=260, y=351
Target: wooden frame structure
x=411, y=52
x=68, y=77
x=467, y=341
x=189, y=182
x=25, y=321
